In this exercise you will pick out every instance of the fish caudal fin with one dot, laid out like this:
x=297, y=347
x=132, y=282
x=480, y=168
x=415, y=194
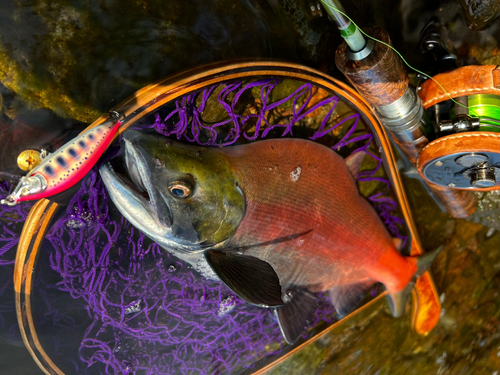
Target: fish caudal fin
x=345, y=298
x=424, y=261
x=297, y=312
x=397, y=300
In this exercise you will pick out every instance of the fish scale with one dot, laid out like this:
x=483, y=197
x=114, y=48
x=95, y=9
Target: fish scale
x=347, y=235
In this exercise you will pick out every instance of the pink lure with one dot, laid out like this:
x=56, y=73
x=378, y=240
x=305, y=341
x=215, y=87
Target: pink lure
x=65, y=167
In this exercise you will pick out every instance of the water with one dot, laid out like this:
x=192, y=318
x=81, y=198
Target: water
x=63, y=63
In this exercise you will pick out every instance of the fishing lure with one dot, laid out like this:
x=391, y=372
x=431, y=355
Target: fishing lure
x=68, y=165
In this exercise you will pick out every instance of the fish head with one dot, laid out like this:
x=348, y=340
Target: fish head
x=182, y=196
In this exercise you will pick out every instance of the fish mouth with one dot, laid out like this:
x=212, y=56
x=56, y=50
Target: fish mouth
x=135, y=179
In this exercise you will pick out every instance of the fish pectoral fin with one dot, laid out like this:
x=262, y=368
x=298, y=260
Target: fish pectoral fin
x=345, y=298
x=252, y=279
x=297, y=312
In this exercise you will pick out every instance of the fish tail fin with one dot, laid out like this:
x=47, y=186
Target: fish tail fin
x=397, y=300
x=424, y=261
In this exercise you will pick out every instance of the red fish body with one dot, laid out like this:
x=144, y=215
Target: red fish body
x=300, y=187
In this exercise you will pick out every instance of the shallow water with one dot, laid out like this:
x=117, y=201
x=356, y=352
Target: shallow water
x=76, y=59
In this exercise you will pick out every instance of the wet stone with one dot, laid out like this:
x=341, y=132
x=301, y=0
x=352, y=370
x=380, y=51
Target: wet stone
x=214, y=112
x=488, y=209
x=80, y=64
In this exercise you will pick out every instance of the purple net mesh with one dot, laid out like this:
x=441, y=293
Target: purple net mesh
x=149, y=312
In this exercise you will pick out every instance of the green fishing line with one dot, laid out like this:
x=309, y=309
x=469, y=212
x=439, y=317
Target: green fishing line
x=394, y=49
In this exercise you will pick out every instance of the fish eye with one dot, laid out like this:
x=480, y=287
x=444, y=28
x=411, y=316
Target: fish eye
x=180, y=189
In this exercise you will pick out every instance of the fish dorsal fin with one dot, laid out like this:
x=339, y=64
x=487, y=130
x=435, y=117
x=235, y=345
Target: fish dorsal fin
x=354, y=161
x=345, y=298
x=249, y=277
x=297, y=312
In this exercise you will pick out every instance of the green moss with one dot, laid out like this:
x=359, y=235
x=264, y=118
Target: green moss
x=32, y=90
x=285, y=88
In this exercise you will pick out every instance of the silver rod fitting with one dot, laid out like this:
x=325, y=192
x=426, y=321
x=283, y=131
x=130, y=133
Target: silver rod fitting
x=403, y=117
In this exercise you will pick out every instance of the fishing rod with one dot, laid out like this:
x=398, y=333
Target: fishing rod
x=377, y=71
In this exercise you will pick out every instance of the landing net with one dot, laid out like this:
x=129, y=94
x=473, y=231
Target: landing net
x=147, y=311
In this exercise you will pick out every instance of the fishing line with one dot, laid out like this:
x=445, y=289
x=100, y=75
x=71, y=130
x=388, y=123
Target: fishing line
x=485, y=121
x=394, y=49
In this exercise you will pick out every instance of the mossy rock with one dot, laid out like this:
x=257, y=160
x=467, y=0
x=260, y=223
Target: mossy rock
x=81, y=58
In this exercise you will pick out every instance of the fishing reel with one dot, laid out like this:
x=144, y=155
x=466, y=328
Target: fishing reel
x=448, y=127
x=465, y=153
x=463, y=104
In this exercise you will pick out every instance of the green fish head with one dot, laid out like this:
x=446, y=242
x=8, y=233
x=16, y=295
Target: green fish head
x=187, y=195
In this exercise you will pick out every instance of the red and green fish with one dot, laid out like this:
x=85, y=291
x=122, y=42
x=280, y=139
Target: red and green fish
x=275, y=220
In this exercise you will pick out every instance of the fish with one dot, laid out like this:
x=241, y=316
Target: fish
x=67, y=165
x=276, y=220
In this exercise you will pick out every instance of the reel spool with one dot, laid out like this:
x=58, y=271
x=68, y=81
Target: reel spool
x=469, y=158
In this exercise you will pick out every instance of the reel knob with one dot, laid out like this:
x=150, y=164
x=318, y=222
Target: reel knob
x=483, y=177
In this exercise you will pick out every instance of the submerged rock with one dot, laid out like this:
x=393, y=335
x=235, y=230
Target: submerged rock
x=81, y=59
x=488, y=209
